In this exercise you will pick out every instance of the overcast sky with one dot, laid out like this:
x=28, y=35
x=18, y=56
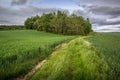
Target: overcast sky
x=103, y=14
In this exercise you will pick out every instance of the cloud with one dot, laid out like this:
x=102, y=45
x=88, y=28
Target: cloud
x=105, y=14
x=11, y=16
x=100, y=12
x=40, y=10
x=79, y=12
x=105, y=10
x=117, y=19
x=108, y=28
x=103, y=19
x=18, y=16
x=4, y=21
x=18, y=2
x=98, y=2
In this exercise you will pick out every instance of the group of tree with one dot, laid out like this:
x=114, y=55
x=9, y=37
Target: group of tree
x=11, y=27
x=59, y=23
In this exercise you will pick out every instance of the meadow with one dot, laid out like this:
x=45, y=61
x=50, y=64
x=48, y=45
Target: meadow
x=93, y=57
x=20, y=50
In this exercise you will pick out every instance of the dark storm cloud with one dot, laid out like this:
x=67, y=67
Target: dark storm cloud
x=18, y=2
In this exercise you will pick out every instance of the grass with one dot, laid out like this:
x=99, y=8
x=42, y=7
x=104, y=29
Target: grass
x=107, y=47
x=20, y=50
x=87, y=58
x=74, y=62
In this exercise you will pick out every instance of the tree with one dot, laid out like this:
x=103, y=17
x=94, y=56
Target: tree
x=29, y=23
x=60, y=23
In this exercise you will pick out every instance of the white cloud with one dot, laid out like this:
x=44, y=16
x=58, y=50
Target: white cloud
x=107, y=28
x=113, y=19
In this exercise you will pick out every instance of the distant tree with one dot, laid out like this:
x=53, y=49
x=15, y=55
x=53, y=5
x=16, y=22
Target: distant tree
x=60, y=23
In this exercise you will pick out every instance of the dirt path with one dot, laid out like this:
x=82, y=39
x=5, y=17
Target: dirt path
x=40, y=64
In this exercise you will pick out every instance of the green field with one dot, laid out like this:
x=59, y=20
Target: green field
x=93, y=57
x=107, y=47
x=86, y=58
x=20, y=50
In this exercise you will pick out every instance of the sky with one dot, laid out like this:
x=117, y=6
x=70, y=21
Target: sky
x=104, y=15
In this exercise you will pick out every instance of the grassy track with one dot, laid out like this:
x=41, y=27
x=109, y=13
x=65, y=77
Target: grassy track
x=74, y=62
x=86, y=58
x=21, y=49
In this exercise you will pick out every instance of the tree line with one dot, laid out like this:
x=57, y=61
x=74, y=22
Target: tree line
x=11, y=27
x=59, y=23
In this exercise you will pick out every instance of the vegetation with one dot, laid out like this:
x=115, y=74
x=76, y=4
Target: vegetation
x=59, y=23
x=85, y=58
x=20, y=50
x=74, y=62
x=107, y=47
x=92, y=57
x=11, y=27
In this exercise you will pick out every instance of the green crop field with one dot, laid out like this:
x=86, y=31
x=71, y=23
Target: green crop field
x=20, y=50
x=86, y=58
x=107, y=47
